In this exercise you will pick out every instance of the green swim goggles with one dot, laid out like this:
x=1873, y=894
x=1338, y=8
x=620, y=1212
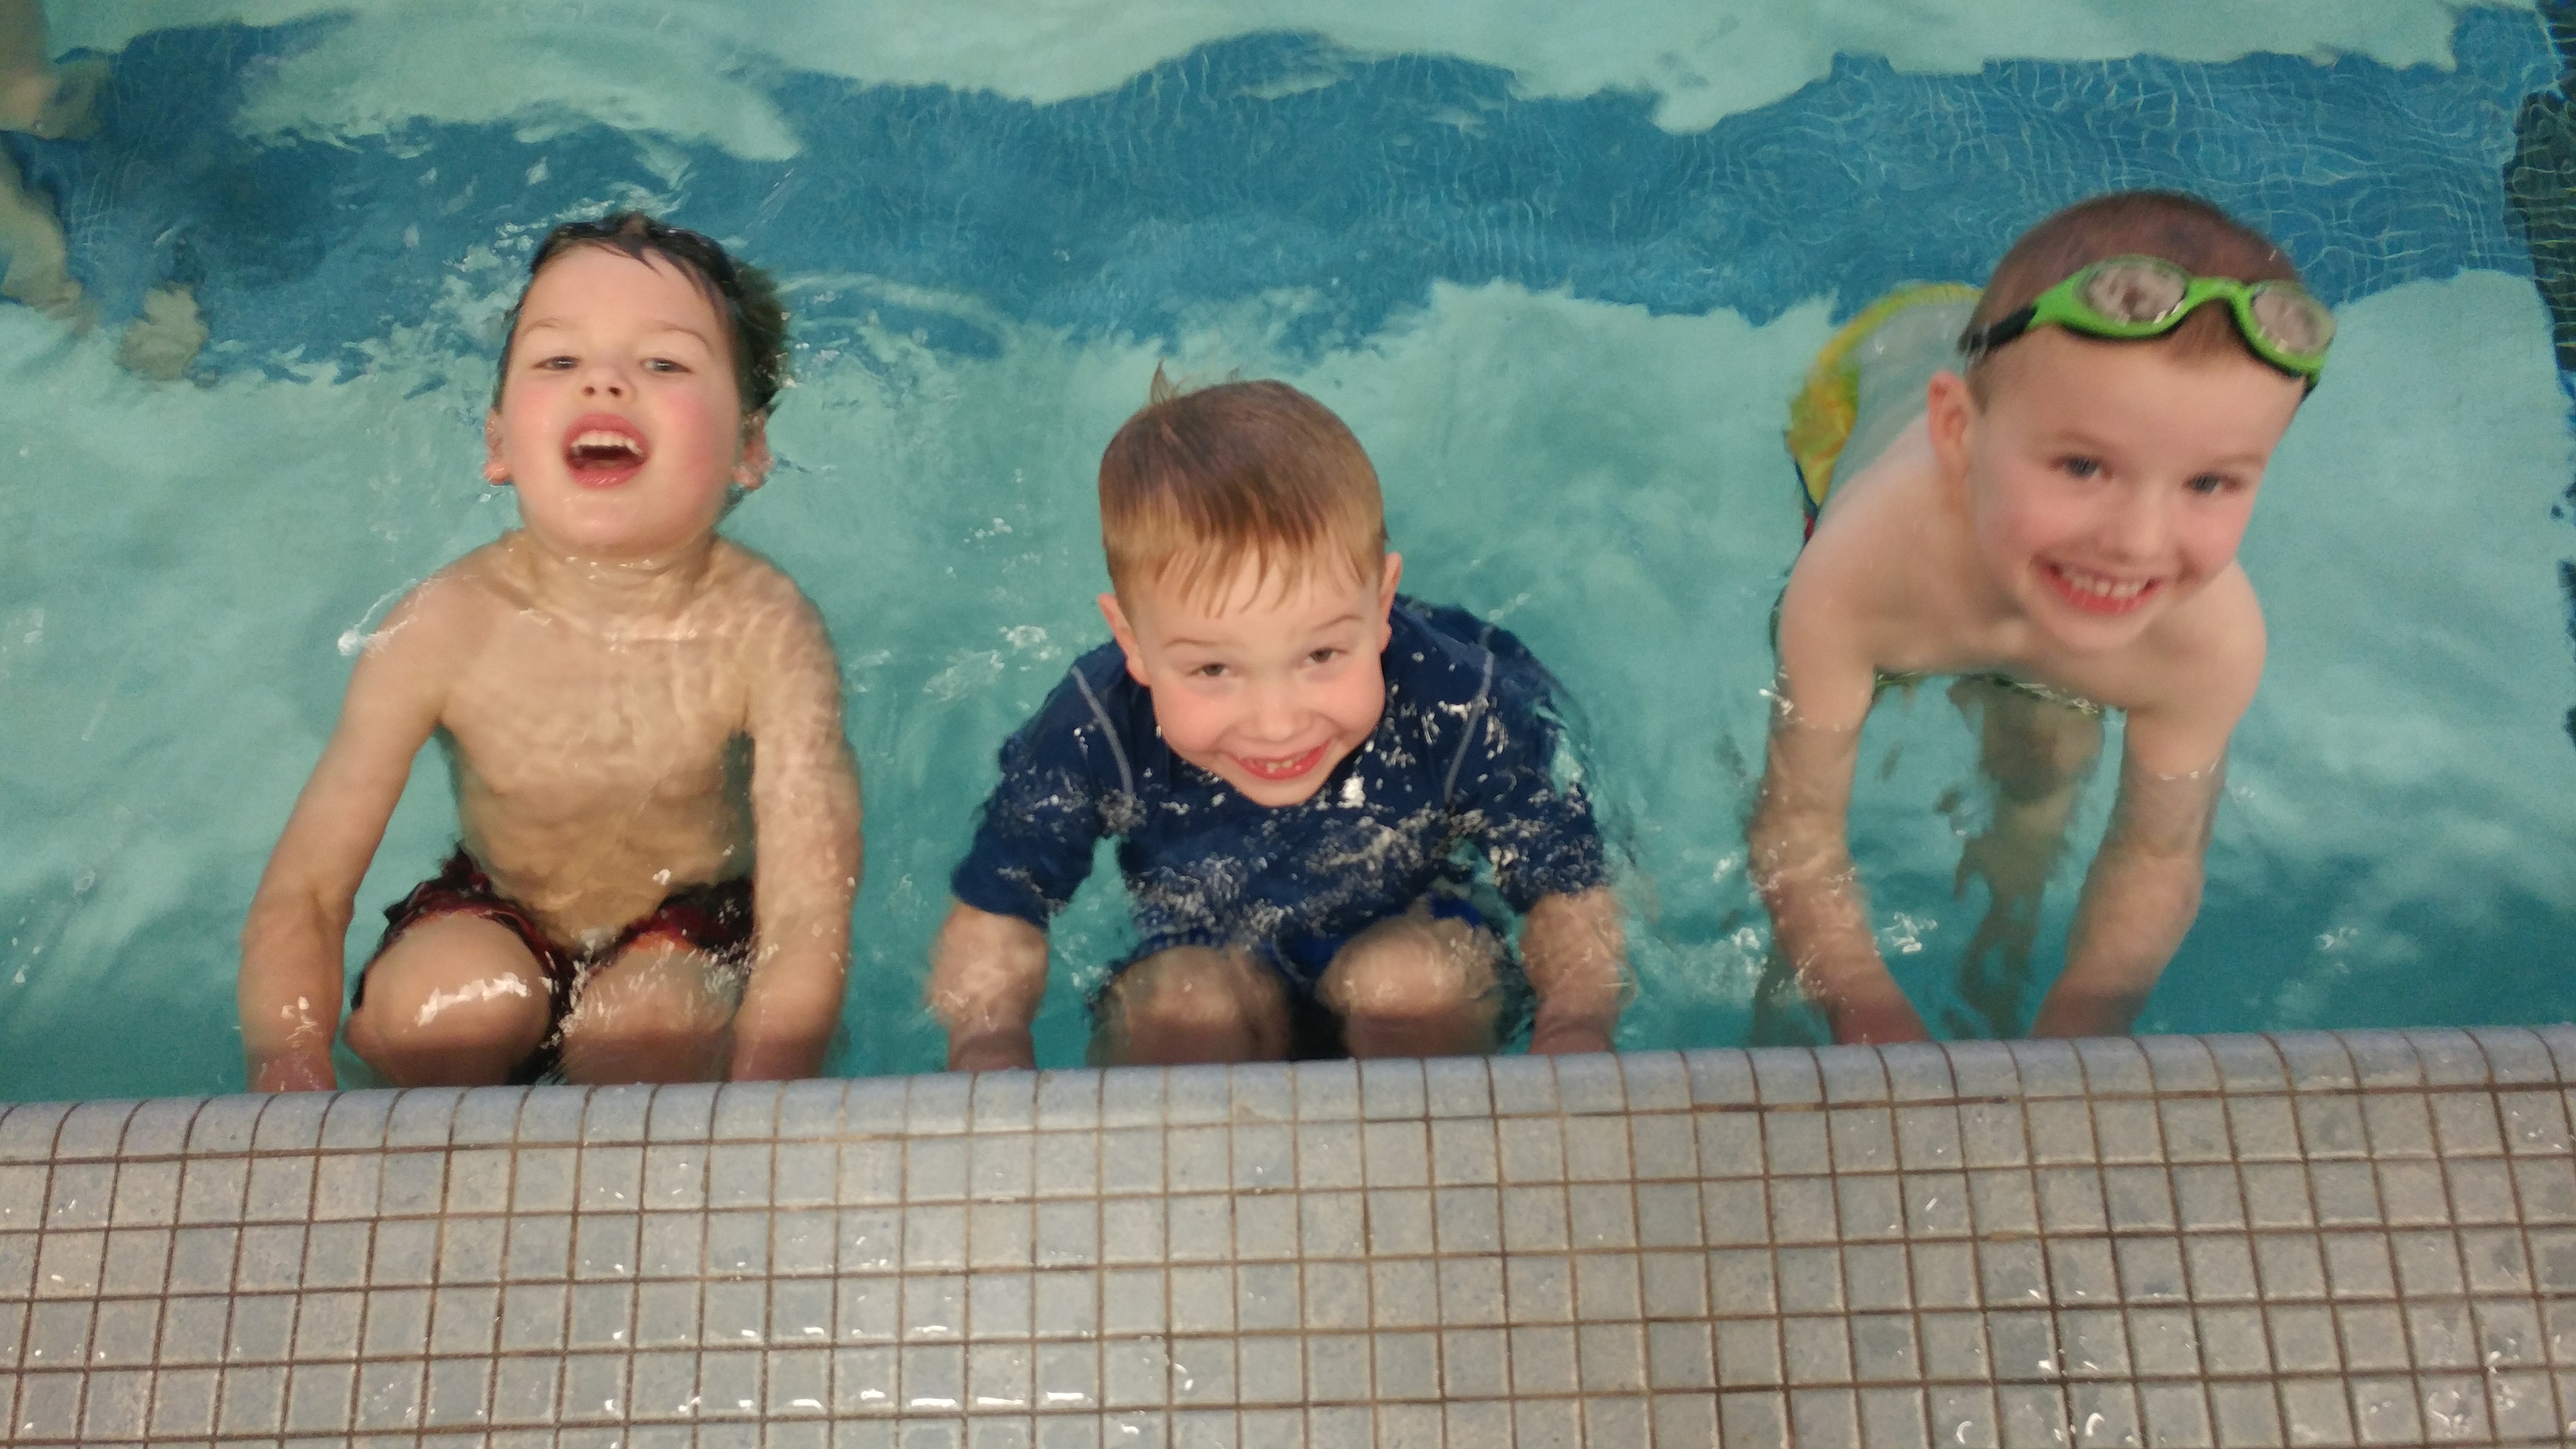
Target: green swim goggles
x=2132, y=297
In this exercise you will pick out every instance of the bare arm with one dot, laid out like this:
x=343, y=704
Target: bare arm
x=2139, y=900
x=1801, y=862
x=1576, y=954
x=987, y=977
x=2143, y=889
x=292, y=942
x=805, y=815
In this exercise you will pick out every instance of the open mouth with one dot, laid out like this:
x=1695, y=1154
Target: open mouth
x=603, y=452
x=2099, y=593
x=1287, y=767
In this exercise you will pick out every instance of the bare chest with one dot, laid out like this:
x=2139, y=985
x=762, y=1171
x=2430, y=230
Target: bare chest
x=548, y=716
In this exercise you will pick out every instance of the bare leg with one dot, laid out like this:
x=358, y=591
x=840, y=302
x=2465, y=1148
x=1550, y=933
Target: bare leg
x=661, y=1012
x=36, y=259
x=2038, y=754
x=1412, y=986
x=1192, y=1004
x=456, y=1002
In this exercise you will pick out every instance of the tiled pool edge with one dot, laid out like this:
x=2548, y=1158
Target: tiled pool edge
x=2354, y=1238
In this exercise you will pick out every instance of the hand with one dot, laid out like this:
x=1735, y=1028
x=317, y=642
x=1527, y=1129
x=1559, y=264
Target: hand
x=1550, y=1037
x=1875, y=1019
x=993, y=1051
x=297, y=1071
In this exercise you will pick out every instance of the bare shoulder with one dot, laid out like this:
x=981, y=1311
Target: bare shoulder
x=448, y=615
x=2197, y=678
x=2214, y=646
x=768, y=617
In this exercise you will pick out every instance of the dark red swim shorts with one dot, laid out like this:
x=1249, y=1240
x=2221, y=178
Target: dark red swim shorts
x=715, y=918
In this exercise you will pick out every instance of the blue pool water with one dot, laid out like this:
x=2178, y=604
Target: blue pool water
x=1560, y=296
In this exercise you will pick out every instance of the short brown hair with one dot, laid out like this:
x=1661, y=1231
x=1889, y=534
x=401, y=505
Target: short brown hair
x=744, y=297
x=1198, y=483
x=2173, y=225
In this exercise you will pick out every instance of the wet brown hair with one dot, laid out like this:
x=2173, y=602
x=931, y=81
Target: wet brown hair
x=2173, y=225
x=1198, y=483
x=743, y=295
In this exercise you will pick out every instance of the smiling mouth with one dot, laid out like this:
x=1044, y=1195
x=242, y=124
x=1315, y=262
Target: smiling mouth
x=1288, y=767
x=2099, y=593
x=603, y=457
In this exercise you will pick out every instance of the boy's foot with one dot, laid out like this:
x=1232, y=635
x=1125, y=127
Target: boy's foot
x=58, y=105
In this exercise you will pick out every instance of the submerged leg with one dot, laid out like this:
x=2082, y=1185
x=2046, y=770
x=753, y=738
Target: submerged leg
x=661, y=1012
x=1192, y=1004
x=1415, y=986
x=36, y=259
x=456, y=1001
x=2038, y=753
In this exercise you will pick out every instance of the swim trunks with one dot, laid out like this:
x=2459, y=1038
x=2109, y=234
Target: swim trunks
x=1865, y=386
x=715, y=918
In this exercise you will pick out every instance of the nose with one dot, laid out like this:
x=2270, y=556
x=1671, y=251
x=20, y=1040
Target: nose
x=2138, y=527
x=1274, y=714
x=604, y=379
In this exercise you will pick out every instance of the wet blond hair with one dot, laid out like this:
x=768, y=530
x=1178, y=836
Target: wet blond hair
x=1199, y=483
x=2176, y=226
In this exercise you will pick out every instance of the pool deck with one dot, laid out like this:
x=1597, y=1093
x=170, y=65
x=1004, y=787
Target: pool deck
x=2364, y=1238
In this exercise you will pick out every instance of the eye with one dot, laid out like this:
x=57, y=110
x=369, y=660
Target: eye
x=2079, y=466
x=558, y=363
x=1208, y=671
x=663, y=364
x=1325, y=655
x=2212, y=484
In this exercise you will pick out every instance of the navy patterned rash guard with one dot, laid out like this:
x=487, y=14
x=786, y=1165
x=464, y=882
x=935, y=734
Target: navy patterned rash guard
x=1464, y=754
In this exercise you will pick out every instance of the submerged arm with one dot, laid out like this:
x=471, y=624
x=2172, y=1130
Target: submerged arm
x=1801, y=862
x=1576, y=955
x=2139, y=899
x=291, y=983
x=805, y=813
x=987, y=977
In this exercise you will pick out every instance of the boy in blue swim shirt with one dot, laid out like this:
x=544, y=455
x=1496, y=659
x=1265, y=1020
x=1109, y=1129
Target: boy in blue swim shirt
x=1294, y=762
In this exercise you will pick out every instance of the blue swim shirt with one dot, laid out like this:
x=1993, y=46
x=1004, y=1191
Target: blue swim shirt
x=1465, y=754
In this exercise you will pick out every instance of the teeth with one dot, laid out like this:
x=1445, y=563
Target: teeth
x=2104, y=588
x=601, y=441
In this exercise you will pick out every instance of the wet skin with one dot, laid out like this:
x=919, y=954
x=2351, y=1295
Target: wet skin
x=2076, y=529
x=628, y=702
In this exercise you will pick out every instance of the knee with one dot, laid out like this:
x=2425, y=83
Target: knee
x=444, y=1016
x=1406, y=971
x=1190, y=989
x=657, y=1013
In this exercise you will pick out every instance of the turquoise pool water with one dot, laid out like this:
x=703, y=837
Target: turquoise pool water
x=1559, y=276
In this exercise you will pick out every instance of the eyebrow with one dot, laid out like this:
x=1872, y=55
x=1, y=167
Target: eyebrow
x=682, y=328
x=1323, y=628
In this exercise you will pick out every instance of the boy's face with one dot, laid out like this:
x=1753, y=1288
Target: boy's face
x=2106, y=482
x=1263, y=687
x=620, y=421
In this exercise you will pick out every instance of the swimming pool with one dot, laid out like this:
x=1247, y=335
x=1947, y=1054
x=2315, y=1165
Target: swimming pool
x=1560, y=283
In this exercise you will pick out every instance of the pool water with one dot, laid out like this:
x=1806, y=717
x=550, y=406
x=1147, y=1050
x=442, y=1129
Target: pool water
x=1559, y=276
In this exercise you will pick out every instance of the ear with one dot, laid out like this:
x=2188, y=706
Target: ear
x=1393, y=575
x=1951, y=411
x=495, y=471
x=1125, y=634
x=751, y=466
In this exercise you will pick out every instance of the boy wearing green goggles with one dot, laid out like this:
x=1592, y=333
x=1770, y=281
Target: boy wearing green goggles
x=2047, y=508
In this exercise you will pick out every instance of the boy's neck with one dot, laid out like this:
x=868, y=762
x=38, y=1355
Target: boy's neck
x=610, y=592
